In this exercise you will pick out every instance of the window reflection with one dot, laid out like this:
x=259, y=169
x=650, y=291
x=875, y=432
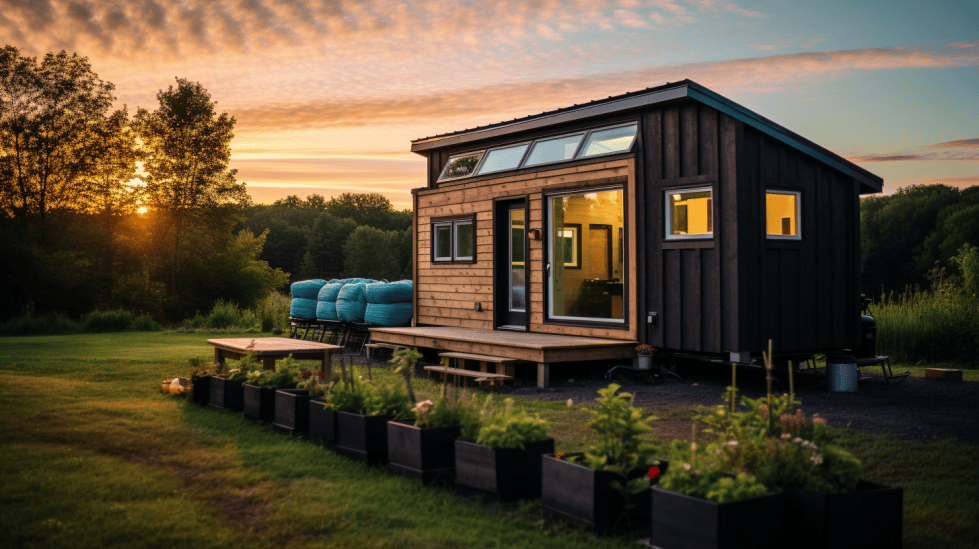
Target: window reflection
x=585, y=256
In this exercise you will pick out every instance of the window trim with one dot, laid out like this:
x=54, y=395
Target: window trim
x=578, y=152
x=453, y=224
x=798, y=215
x=668, y=216
x=591, y=322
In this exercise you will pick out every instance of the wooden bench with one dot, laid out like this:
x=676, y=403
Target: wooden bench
x=371, y=347
x=479, y=377
x=503, y=365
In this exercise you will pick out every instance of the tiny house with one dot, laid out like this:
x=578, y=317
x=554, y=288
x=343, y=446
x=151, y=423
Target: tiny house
x=670, y=216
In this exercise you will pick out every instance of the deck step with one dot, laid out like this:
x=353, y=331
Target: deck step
x=946, y=374
x=478, y=376
x=479, y=358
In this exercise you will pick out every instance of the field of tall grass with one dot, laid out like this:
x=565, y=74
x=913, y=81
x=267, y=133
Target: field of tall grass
x=936, y=325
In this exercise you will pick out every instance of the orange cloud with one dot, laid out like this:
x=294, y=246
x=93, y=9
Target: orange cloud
x=486, y=104
x=961, y=149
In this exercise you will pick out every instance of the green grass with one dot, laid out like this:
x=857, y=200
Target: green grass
x=93, y=456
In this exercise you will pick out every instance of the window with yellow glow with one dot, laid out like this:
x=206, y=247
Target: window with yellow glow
x=690, y=213
x=782, y=215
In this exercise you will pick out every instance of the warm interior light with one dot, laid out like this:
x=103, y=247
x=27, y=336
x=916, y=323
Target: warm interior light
x=676, y=198
x=142, y=210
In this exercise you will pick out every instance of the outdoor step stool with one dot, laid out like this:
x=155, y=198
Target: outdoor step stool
x=372, y=347
x=503, y=365
x=885, y=367
x=479, y=377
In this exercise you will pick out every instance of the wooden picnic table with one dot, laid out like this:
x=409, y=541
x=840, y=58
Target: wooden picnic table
x=270, y=349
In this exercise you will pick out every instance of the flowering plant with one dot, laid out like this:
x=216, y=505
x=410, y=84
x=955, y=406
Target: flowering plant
x=764, y=448
x=314, y=382
x=644, y=350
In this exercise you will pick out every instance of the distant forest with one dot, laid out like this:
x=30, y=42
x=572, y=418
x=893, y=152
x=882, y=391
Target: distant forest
x=911, y=236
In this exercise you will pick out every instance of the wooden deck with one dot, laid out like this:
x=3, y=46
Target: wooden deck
x=542, y=349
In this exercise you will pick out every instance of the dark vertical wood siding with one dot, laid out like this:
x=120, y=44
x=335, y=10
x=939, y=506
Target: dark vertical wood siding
x=806, y=293
x=687, y=145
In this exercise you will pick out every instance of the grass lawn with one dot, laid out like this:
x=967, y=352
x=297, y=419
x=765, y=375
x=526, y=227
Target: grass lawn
x=94, y=456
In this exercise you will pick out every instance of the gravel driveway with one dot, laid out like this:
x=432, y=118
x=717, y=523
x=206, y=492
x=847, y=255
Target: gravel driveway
x=917, y=409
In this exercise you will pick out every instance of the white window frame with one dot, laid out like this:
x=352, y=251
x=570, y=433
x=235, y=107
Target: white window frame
x=668, y=214
x=798, y=215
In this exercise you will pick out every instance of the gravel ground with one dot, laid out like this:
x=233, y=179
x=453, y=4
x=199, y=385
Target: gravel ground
x=916, y=409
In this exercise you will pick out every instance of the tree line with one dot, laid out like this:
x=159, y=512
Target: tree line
x=75, y=175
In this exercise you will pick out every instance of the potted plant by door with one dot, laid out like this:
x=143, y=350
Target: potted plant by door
x=425, y=447
x=362, y=411
x=500, y=457
x=607, y=486
x=259, y=390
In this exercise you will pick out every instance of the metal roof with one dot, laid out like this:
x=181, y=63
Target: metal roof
x=686, y=89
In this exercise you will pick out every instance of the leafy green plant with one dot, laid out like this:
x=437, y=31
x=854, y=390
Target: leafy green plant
x=284, y=376
x=765, y=447
x=391, y=401
x=351, y=394
x=200, y=368
x=510, y=428
x=313, y=381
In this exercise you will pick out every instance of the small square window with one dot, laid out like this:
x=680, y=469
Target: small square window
x=453, y=241
x=782, y=215
x=690, y=213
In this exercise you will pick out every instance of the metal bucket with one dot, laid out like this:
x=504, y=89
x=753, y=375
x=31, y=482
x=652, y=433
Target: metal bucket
x=841, y=373
x=644, y=362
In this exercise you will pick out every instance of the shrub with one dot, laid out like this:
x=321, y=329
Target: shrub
x=50, y=324
x=145, y=323
x=108, y=321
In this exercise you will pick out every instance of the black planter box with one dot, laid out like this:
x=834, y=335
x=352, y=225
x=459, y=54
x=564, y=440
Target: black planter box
x=291, y=411
x=581, y=494
x=201, y=390
x=428, y=454
x=503, y=474
x=694, y=523
x=364, y=438
x=322, y=422
x=870, y=516
x=258, y=403
x=226, y=394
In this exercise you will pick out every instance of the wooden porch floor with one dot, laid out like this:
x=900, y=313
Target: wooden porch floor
x=542, y=349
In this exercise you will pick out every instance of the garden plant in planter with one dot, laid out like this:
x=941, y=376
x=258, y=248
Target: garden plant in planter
x=770, y=478
x=361, y=412
x=321, y=418
x=425, y=448
x=292, y=405
x=227, y=388
x=607, y=486
x=500, y=456
x=200, y=380
x=259, y=390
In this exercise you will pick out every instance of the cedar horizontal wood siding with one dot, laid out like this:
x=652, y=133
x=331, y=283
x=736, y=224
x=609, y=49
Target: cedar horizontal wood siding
x=690, y=284
x=803, y=295
x=447, y=292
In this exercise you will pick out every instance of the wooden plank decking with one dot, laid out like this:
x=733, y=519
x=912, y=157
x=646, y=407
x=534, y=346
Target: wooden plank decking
x=542, y=349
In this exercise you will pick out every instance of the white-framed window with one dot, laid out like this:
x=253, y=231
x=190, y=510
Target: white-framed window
x=689, y=213
x=453, y=240
x=783, y=215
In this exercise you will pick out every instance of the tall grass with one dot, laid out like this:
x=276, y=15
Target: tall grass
x=96, y=322
x=937, y=326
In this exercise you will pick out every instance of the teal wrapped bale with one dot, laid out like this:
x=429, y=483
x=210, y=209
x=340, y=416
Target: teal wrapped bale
x=326, y=310
x=394, y=292
x=330, y=291
x=388, y=314
x=303, y=308
x=352, y=302
x=307, y=289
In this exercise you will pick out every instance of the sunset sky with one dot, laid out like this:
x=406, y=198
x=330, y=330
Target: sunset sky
x=328, y=94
